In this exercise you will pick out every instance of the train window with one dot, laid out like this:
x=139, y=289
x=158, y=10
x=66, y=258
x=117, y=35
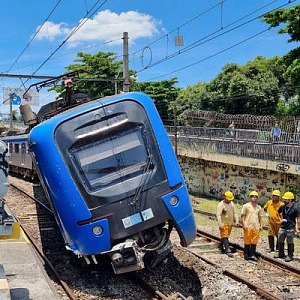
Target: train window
x=17, y=148
x=112, y=160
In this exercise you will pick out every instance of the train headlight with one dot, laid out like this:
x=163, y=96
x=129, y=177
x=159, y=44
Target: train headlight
x=97, y=230
x=174, y=200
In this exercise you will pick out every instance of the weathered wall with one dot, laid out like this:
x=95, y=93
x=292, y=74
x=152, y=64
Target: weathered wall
x=211, y=178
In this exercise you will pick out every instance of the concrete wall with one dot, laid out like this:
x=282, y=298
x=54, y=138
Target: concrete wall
x=210, y=175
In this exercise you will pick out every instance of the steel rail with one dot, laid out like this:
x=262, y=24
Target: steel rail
x=259, y=290
x=275, y=262
x=32, y=198
x=44, y=258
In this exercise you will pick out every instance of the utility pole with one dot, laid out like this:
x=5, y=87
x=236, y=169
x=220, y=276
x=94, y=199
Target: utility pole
x=126, y=82
x=10, y=110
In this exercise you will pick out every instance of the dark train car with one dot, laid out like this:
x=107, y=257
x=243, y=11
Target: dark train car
x=20, y=160
x=113, y=180
x=9, y=227
x=4, y=157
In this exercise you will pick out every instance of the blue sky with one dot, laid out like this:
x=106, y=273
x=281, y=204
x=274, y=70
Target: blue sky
x=214, y=33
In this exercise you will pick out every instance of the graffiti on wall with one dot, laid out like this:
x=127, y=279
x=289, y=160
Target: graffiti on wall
x=213, y=178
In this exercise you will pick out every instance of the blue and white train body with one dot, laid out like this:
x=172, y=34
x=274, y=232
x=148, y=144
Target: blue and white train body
x=113, y=180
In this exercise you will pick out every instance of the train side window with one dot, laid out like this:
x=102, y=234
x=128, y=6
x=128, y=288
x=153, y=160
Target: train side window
x=17, y=148
x=23, y=146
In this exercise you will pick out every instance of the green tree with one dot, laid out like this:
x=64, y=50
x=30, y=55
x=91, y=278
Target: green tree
x=190, y=98
x=289, y=22
x=102, y=69
x=164, y=93
x=288, y=16
x=248, y=89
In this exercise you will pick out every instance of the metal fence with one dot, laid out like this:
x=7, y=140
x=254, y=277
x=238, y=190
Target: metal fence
x=246, y=143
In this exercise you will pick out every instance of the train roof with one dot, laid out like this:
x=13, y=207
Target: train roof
x=15, y=138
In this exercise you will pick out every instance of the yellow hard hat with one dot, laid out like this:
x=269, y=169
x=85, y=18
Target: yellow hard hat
x=254, y=193
x=228, y=196
x=288, y=196
x=276, y=193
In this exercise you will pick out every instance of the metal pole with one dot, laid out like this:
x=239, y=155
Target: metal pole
x=126, y=82
x=10, y=110
x=175, y=131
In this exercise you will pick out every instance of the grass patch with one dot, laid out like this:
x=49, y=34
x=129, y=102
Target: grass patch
x=210, y=205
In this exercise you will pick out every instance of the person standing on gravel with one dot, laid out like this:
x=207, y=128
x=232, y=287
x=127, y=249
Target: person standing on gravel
x=252, y=215
x=271, y=209
x=290, y=217
x=227, y=217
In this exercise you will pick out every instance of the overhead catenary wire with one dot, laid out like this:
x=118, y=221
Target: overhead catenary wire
x=177, y=28
x=33, y=37
x=90, y=13
x=212, y=55
x=72, y=52
x=218, y=33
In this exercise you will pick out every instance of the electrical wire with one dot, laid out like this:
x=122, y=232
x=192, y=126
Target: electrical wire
x=33, y=37
x=89, y=14
x=212, y=55
x=72, y=52
x=211, y=37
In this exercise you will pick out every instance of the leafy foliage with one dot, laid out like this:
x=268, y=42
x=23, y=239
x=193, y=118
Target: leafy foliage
x=102, y=69
x=260, y=87
x=290, y=18
x=164, y=94
x=193, y=97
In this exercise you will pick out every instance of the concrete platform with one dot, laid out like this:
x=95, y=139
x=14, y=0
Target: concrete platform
x=23, y=276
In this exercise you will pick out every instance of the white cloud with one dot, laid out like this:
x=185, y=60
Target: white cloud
x=105, y=26
x=50, y=31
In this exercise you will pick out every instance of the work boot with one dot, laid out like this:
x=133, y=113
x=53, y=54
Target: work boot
x=271, y=243
x=246, y=252
x=227, y=249
x=252, y=252
x=280, y=251
x=290, y=253
x=222, y=247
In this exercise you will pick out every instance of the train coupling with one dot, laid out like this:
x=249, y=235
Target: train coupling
x=126, y=257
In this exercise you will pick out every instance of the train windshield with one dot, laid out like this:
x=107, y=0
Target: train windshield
x=116, y=159
x=112, y=152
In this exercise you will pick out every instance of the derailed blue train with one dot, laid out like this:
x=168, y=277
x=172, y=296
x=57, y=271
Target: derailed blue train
x=113, y=180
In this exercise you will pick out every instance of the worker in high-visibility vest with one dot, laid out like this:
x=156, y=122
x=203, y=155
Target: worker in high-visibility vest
x=271, y=209
x=252, y=215
x=227, y=217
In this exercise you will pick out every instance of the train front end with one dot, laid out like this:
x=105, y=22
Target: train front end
x=113, y=180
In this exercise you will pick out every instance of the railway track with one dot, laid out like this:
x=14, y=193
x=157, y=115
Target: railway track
x=269, y=278
x=73, y=279
x=172, y=280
